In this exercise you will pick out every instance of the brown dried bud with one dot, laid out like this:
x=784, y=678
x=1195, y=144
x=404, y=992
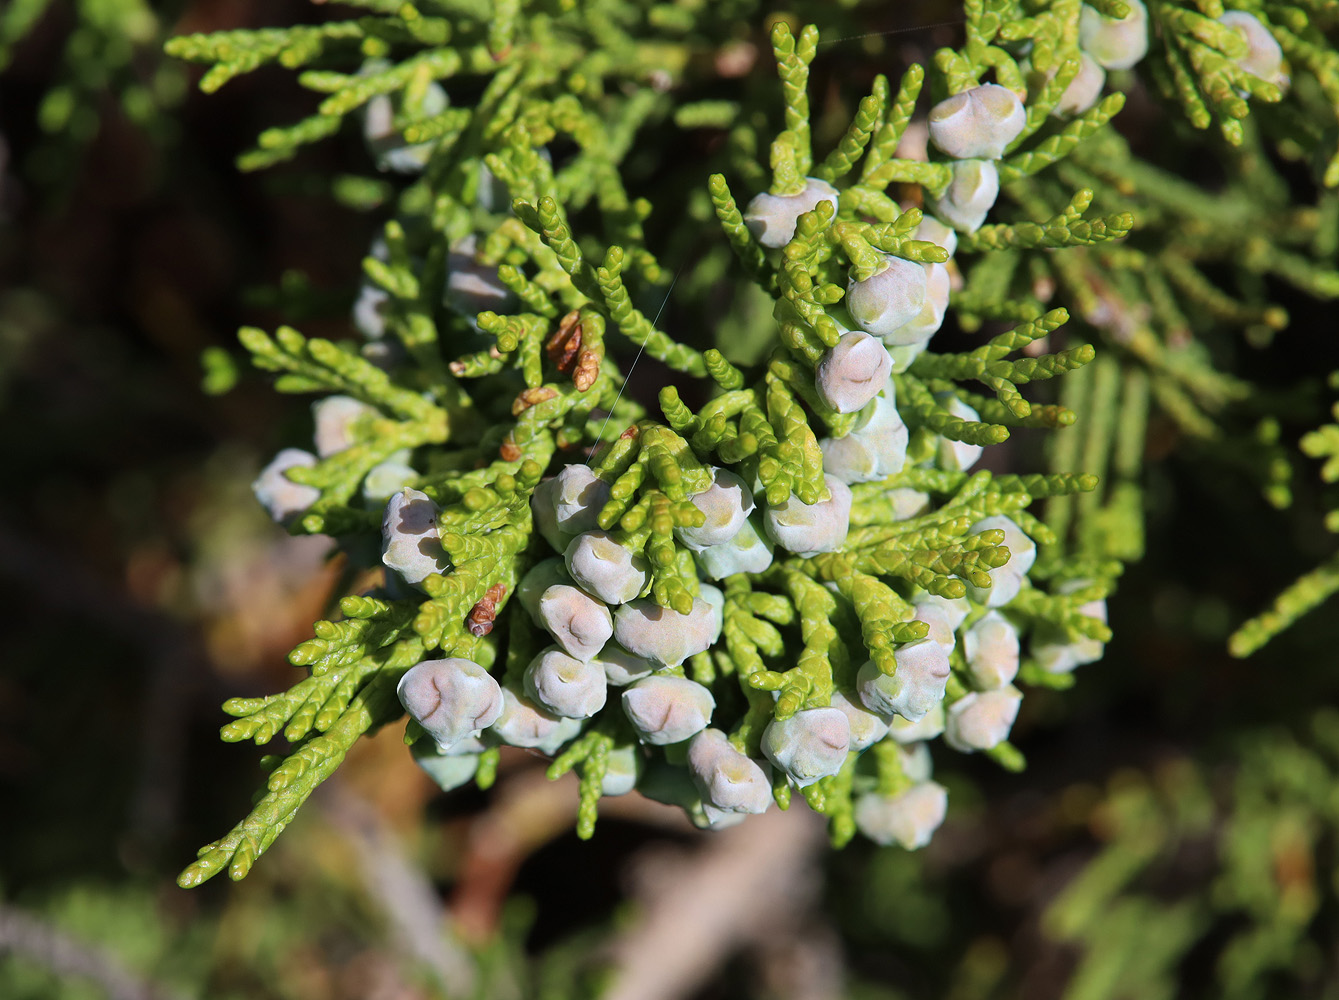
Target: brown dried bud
x=587, y=369
x=457, y=367
x=565, y=342
x=480, y=619
x=510, y=451
x=628, y=434
x=532, y=397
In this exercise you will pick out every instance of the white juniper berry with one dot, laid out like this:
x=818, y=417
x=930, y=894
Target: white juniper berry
x=667, y=709
x=728, y=781
x=1007, y=580
x=1057, y=653
x=810, y=745
x=875, y=448
x=1115, y=43
x=978, y=123
x=1084, y=90
x=915, y=761
x=579, y=495
x=409, y=542
x=448, y=770
x=278, y=494
x=930, y=725
x=957, y=456
x=808, y=529
x=385, y=142
x=866, y=727
x=538, y=578
x=621, y=667
x=579, y=623
x=564, y=685
x=605, y=568
x=747, y=552
x=941, y=621
x=334, y=418
x=915, y=687
x=907, y=502
x=909, y=819
x=771, y=218
x=925, y=324
x=387, y=478
x=970, y=195
x=370, y=309
x=726, y=504
x=622, y=768
x=663, y=635
x=933, y=231
x=851, y=374
x=982, y=719
x=522, y=723
x=452, y=699
x=889, y=299
x=991, y=649
x=1264, y=57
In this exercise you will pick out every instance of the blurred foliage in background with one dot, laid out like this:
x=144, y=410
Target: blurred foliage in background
x=1174, y=837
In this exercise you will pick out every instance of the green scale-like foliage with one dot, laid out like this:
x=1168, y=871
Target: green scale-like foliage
x=491, y=317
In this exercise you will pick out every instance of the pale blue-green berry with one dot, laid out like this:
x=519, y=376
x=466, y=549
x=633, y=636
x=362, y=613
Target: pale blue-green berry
x=1084, y=90
x=605, y=568
x=916, y=686
x=452, y=699
x=909, y=819
x=663, y=635
x=622, y=768
x=889, y=299
x=278, y=494
x=370, y=309
x=875, y=448
x=915, y=760
x=977, y=124
x=1116, y=43
x=991, y=649
x=524, y=724
x=956, y=609
x=850, y=374
x=448, y=770
x=539, y=578
x=621, y=667
x=970, y=195
x=1264, y=57
x=747, y=552
x=667, y=709
x=957, y=456
x=579, y=623
x=771, y=218
x=866, y=727
x=907, y=502
x=409, y=542
x=472, y=287
x=387, y=478
x=812, y=744
x=1055, y=652
x=335, y=417
x=544, y=511
x=565, y=686
x=579, y=495
x=1007, y=580
x=929, y=726
x=933, y=231
x=728, y=781
x=726, y=504
x=926, y=323
x=982, y=719
x=808, y=529
x=942, y=626
x=387, y=144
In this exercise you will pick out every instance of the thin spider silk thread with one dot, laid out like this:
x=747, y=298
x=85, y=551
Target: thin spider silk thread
x=627, y=377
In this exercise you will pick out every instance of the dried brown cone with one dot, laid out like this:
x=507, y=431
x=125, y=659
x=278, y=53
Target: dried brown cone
x=532, y=397
x=481, y=617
